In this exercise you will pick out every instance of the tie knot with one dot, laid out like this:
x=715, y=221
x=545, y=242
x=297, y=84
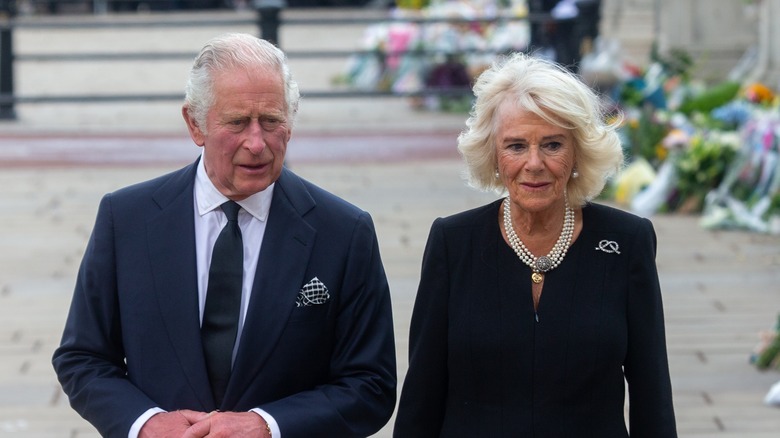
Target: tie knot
x=230, y=209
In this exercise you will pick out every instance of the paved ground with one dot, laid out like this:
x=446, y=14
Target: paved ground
x=720, y=288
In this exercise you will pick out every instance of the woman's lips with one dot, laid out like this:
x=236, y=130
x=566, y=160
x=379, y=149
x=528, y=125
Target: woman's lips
x=535, y=185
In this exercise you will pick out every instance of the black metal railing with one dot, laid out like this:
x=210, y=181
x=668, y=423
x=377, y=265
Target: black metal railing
x=267, y=19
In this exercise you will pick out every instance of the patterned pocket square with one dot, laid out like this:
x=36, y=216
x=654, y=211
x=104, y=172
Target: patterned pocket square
x=313, y=292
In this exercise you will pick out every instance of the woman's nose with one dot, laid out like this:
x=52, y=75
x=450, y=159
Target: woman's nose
x=534, y=158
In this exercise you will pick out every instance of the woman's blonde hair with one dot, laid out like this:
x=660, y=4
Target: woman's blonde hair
x=547, y=90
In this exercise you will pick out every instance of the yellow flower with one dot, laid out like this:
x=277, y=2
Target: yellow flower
x=632, y=180
x=661, y=152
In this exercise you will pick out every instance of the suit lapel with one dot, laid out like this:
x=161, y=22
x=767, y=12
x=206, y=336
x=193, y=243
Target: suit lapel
x=171, y=240
x=284, y=257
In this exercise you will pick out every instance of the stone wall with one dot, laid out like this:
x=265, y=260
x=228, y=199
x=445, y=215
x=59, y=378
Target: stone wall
x=716, y=33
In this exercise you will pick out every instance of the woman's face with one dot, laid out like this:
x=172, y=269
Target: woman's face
x=535, y=159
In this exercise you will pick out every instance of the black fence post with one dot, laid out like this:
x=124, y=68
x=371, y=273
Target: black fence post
x=7, y=13
x=268, y=18
x=588, y=24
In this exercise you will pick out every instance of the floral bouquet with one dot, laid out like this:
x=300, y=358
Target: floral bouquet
x=766, y=355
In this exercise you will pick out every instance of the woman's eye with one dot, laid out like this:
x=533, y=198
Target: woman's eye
x=553, y=145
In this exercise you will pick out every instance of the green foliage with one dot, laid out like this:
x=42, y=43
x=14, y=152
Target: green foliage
x=701, y=168
x=768, y=354
x=712, y=98
x=774, y=206
x=645, y=135
x=677, y=62
x=630, y=94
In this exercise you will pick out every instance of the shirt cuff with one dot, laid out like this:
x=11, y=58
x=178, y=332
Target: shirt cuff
x=275, y=432
x=135, y=429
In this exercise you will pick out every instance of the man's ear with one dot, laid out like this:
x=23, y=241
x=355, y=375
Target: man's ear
x=192, y=125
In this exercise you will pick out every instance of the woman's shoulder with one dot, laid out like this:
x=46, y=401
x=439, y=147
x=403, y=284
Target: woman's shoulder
x=612, y=218
x=471, y=217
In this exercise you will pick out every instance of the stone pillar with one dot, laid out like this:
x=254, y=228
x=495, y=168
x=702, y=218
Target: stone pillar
x=767, y=68
x=716, y=33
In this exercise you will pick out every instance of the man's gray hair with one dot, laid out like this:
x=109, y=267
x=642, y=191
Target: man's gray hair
x=230, y=51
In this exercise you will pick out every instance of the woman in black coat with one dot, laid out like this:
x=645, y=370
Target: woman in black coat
x=534, y=311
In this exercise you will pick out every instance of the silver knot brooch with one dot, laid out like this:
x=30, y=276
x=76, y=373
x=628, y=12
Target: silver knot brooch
x=608, y=246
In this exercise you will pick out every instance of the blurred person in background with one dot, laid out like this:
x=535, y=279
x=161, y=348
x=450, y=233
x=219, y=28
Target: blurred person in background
x=566, y=30
x=231, y=297
x=534, y=311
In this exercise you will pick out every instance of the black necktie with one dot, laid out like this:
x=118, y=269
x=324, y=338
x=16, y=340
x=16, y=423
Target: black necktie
x=223, y=302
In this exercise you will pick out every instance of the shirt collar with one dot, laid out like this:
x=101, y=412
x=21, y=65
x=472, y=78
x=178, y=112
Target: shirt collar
x=207, y=197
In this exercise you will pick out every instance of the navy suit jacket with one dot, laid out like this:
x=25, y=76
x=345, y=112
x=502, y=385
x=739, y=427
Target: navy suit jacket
x=132, y=337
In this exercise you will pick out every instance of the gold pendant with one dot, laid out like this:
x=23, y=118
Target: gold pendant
x=537, y=277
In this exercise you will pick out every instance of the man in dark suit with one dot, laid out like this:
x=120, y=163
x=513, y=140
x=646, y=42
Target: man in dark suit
x=157, y=345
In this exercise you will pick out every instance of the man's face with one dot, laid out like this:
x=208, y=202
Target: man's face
x=246, y=133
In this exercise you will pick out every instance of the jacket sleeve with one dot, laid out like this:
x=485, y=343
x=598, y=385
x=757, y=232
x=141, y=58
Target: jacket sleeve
x=90, y=361
x=423, y=398
x=646, y=365
x=360, y=396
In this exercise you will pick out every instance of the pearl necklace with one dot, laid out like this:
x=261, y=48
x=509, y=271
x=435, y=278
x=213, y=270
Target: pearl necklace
x=540, y=265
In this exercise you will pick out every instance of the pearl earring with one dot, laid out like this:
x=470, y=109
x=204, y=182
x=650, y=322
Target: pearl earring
x=575, y=174
x=498, y=175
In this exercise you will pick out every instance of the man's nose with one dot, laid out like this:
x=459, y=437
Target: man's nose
x=255, y=140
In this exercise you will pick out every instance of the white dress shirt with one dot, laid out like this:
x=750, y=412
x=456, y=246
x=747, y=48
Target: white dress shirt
x=209, y=221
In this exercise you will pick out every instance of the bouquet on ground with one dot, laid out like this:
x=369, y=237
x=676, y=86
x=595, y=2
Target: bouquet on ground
x=766, y=355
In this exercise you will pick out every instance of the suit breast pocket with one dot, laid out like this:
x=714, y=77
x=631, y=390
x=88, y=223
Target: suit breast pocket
x=309, y=314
